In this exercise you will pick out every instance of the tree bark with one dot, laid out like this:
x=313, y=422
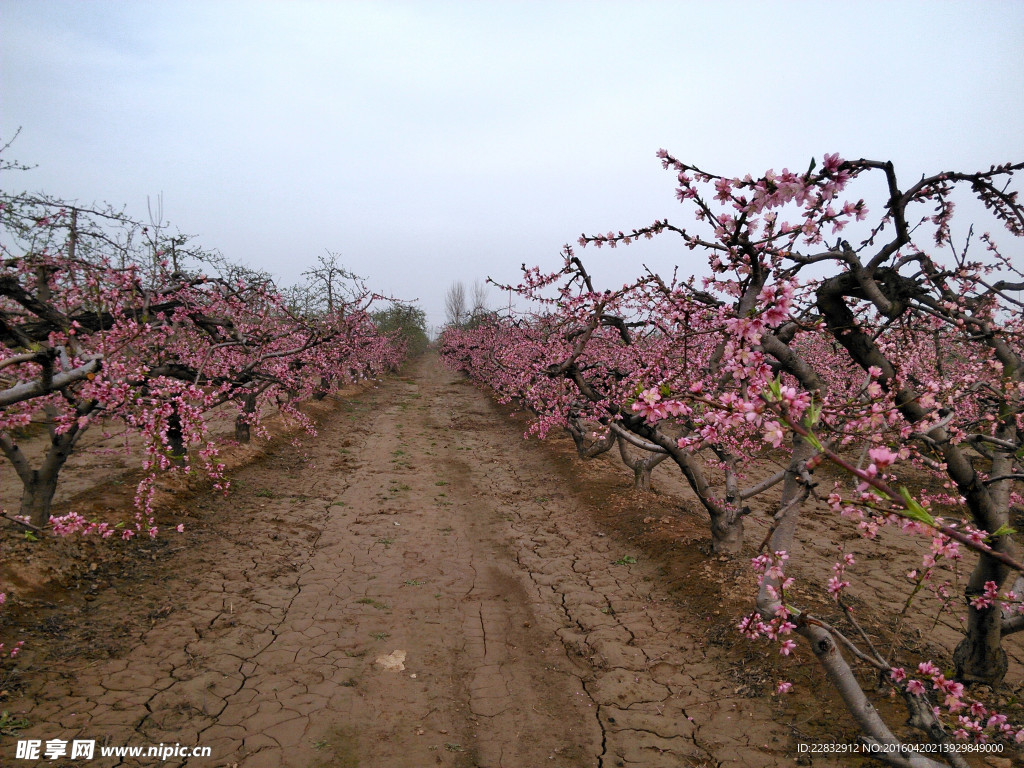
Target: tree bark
x=176, y=449
x=243, y=419
x=325, y=387
x=40, y=485
x=641, y=465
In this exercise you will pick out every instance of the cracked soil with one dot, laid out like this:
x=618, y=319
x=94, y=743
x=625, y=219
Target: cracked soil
x=415, y=586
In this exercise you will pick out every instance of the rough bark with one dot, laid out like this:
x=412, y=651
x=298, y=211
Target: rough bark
x=641, y=465
x=40, y=485
x=243, y=419
x=588, y=449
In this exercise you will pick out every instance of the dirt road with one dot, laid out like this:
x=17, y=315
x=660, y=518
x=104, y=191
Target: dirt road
x=417, y=586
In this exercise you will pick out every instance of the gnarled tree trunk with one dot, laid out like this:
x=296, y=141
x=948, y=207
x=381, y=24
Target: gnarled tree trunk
x=641, y=465
x=39, y=485
x=979, y=657
x=243, y=419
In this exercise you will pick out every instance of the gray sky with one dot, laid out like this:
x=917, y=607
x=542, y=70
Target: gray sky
x=428, y=142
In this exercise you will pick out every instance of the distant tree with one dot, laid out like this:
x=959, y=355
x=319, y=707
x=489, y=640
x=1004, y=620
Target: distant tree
x=326, y=295
x=479, y=298
x=465, y=310
x=407, y=321
x=329, y=285
x=455, y=305
x=479, y=312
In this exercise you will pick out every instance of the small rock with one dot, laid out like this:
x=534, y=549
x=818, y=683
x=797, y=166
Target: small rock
x=394, y=661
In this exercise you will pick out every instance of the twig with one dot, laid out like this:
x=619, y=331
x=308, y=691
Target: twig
x=21, y=522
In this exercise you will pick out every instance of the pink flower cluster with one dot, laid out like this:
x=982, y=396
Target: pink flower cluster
x=977, y=724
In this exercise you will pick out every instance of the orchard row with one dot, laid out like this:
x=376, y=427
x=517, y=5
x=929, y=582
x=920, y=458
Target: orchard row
x=898, y=358
x=105, y=320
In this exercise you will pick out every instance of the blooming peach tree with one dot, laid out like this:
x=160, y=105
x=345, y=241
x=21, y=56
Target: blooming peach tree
x=97, y=322
x=897, y=359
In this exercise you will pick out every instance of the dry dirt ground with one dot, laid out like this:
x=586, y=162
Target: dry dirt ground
x=416, y=586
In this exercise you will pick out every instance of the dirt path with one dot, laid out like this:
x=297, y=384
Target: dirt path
x=416, y=523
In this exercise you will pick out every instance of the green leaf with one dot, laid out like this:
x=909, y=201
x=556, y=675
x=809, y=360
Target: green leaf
x=811, y=438
x=774, y=391
x=811, y=415
x=914, y=510
x=1003, y=530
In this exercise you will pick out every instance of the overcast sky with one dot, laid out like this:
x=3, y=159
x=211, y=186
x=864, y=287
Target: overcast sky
x=428, y=142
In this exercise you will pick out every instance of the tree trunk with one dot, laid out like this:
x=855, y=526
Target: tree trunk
x=641, y=476
x=39, y=485
x=980, y=658
x=242, y=434
x=176, y=449
x=727, y=534
x=243, y=419
x=641, y=466
x=37, y=498
x=325, y=387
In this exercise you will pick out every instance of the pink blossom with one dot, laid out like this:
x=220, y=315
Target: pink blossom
x=995, y=720
x=916, y=687
x=835, y=586
x=882, y=456
x=773, y=433
x=831, y=163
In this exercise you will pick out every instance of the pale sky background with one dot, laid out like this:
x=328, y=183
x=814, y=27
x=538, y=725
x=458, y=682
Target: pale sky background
x=428, y=142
